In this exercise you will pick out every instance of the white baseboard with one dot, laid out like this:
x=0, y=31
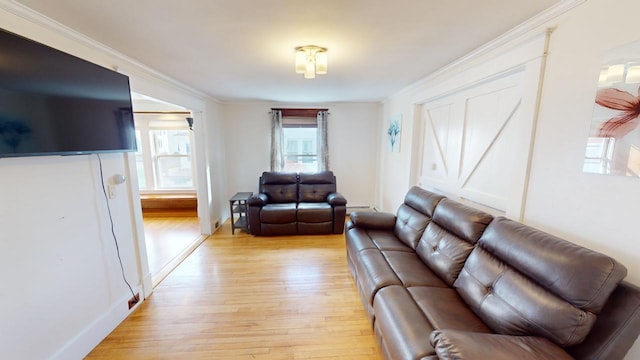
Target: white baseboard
x=355, y=208
x=79, y=346
x=167, y=269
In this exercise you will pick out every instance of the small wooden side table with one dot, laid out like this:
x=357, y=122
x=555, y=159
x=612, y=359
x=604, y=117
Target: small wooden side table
x=238, y=206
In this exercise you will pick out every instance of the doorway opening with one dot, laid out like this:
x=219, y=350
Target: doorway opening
x=166, y=172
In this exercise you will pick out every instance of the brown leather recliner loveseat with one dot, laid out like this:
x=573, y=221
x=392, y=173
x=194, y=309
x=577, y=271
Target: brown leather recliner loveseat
x=441, y=280
x=291, y=203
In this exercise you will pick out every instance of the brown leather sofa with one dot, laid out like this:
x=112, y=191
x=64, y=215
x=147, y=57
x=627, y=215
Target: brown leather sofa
x=290, y=203
x=440, y=280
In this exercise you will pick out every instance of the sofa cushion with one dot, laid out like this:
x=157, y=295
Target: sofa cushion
x=422, y=200
x=410, y=225
x=373, y=273
x=386, y=241
x=322, y=177
x=402, y=325
x=314, y=228
x=580, y=276
x=315, y=212
x=512, y=304
x=463, y=221
x=444, y=309
x=411, y=270
x=316, y=187
x=278, y=229
x=278, y=213
x=279, y=187
x=448, y=239
x=357, y=239
x=522, y=281
x=443, y=252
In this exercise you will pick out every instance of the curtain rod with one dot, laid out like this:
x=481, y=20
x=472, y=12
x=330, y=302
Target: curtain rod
x=289, y=112
x=164, y=112
x=307, y=109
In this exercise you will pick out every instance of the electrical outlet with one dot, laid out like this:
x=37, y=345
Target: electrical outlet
x=134, y=300
x=111, y=191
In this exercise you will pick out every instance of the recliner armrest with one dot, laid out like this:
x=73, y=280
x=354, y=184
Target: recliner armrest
x=257, y=200
x=373, y=220
x=464, y=345
x=336, y=199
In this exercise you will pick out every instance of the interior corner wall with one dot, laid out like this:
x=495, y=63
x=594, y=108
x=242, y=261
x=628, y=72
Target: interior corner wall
x=352, y=146
x=62, y=290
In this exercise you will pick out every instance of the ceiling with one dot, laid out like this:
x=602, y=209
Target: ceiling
x=243, y=50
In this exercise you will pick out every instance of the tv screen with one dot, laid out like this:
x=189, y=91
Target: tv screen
x=53, y=103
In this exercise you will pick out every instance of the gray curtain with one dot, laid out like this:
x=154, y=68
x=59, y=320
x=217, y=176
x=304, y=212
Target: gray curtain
x=323, y=142
x=277, y=141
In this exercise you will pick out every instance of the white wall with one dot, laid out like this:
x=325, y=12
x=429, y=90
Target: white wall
x=62, y=291
x=57, y=256
x=597, y=210
x=600, y=212
x=352, y=146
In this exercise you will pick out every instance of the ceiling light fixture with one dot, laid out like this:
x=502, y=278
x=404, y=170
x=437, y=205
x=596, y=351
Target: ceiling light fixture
x=311, y=60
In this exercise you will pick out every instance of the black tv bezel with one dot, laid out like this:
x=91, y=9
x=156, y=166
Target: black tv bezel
x=98, y=68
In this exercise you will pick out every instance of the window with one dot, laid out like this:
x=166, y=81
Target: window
x=164, y=158
x=301, y=152
x=302, y=146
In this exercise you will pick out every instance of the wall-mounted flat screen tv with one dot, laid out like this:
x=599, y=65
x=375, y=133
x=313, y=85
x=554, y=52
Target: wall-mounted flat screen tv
x=53, y=103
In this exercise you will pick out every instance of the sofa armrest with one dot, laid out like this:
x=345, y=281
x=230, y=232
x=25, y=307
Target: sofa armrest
x=616, y=328
x=464, y=345
x=373, y=220
x=257, y=200
x=336, y=199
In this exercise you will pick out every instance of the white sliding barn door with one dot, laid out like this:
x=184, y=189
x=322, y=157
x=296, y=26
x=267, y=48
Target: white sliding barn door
x=476, y=143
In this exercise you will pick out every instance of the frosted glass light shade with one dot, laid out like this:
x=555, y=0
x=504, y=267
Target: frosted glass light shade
x=321, y=63
x=310, y=72
x=301, y=61
x=311, y=60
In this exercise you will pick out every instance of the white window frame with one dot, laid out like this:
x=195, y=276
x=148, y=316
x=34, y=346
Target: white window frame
x=147, y=122
x=300, y=122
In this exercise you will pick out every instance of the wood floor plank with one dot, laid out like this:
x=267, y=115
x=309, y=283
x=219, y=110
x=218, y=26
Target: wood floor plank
x=244, y=297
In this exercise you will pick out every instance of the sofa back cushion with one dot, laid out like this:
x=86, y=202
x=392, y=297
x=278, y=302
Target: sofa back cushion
x=414, y=215
x=316, y=187
x=450, y=237
x=279, y=187
x=422, y=200
x=522, y=281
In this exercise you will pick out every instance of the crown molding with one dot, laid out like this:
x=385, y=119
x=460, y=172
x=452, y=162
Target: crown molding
x=34, y=17
x=515, y=33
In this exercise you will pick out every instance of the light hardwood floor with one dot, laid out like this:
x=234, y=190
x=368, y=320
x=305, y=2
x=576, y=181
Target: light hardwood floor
x=167, y=238
x=244, y=297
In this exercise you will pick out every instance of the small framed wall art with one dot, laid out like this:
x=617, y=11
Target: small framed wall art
x=394, y=132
